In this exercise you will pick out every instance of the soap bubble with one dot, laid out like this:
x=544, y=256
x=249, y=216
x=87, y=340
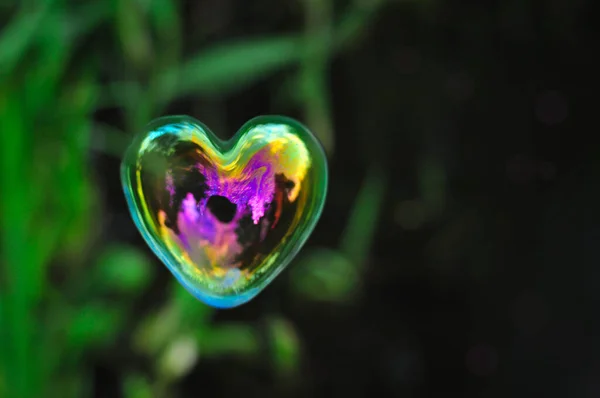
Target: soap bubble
x=225, y=217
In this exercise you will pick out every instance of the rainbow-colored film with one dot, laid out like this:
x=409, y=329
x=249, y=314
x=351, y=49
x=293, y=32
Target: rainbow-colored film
x=225, y=217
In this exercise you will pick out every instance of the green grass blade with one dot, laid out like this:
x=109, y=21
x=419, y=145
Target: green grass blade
x=352, y=24
x=134, y=34
x=16, y=38
x=165, y=18
x=88, y=17
x=359, y=233
x=18, y=323
x=314, y=70
x=229, y=68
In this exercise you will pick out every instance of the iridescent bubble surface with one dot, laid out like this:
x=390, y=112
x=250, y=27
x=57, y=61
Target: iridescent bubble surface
x=225, y=217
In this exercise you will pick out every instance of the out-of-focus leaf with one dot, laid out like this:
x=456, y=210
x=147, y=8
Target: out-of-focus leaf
x=4, y=335
x=3, y=387
x=77, y=199
x=123, y=269
x=329, y=275
x=155, y=330
x=87, y=17
x=229, y=339
x=137, y=386
x=325, y=275
x=21, y=274
x=164, y=16
x=138, y=103
x=94, y=325
x=228, y=68
x=71, y=385
x=178, y=358
x=44, y=76
x=46, y=23
x=317, y=104
x=313, y=74
x=182, y=314
x=20, y=33
x=285, y=346
x=360, y=228
x=109, y=140
x=194, y=313
x=354, y=21
x=134, y=34
x=224, y=69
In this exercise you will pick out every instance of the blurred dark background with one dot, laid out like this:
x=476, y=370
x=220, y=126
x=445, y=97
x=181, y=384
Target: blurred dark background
x=456, y=255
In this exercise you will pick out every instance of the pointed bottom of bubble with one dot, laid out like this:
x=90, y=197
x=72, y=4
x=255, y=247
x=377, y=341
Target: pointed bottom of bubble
x=219, y=302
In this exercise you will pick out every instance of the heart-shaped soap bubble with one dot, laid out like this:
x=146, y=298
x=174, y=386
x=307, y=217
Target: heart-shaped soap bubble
x=225, y=217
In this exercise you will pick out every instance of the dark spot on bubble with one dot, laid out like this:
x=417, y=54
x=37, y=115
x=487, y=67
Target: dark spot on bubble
x=169, y=224
x=221, y=208
x=288, y=184
x=247, y=232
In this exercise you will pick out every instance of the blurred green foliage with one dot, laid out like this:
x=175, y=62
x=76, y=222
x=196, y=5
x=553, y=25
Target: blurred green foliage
x=50, y=88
